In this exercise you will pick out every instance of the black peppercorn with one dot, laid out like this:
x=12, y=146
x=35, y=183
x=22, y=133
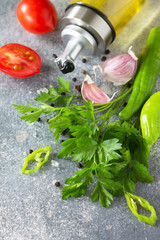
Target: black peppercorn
x=79, y=165
x=30, y=151
x=103, y=58
x=74, y=79
x=64, y=132
x=71, y=136
x=57, y=184
x=84, y=60
x=107, y=51
x=129, y=85
x=54, y=55
x=83, y=71
x=124, y=104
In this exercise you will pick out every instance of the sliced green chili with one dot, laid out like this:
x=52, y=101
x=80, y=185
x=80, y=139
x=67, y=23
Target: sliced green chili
x=145, y=204
x=36, y=156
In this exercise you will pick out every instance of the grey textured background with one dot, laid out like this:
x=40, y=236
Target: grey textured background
x=30, y=206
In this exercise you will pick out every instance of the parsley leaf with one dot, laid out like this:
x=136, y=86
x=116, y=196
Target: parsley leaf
x=59, y=124
x=51, y=96
x=139, y=173
x=128, y=184
x=85, y=149
x=67, y=150
x=112, y=185
x=102, y=194
x=64, y=85
x=78, y=183
x=89, y=112
x=141, y=153
x=110, y=147
x=34, y=112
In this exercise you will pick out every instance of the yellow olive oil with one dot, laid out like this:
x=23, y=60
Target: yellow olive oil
x=118, y=12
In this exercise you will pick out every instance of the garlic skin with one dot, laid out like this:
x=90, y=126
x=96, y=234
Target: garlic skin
x=120, y=68
x=91, y=92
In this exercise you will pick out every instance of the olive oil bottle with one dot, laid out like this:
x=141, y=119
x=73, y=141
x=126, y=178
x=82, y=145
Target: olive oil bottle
x=88, y=26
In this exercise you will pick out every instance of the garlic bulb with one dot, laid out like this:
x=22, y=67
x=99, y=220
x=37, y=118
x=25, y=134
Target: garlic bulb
x=120, y=68
x=91, y=92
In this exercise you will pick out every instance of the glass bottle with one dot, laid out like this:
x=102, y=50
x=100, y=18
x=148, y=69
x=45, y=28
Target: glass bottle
x=88, y=26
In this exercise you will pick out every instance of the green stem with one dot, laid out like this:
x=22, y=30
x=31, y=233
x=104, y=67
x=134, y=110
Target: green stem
x=113, y=109
x=102, y=106
x=97, y=175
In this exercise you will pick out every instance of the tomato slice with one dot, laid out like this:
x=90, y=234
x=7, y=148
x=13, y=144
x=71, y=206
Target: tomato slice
x=19, y=61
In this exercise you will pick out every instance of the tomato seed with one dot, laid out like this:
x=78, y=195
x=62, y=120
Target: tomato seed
x=17, y=67
x=31, y=58
x=27, y=53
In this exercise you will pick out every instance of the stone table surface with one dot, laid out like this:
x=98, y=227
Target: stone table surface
x=31, y=207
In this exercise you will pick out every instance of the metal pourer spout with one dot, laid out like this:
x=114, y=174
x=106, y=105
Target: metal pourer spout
x=65, y=61
x=65, y=66
x=85, y=31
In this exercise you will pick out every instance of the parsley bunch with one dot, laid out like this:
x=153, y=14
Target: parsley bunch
x=114, y=155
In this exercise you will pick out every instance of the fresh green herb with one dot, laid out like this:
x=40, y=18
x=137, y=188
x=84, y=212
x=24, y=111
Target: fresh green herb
x=114, y=155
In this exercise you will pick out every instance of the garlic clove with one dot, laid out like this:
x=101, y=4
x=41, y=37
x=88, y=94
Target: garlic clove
x=120, y=68
x=91, y=92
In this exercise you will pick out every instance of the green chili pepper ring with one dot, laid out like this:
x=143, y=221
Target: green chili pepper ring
x=36, y=156
x=146, y=77
x=145, y=204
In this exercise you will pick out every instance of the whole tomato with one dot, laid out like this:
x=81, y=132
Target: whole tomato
x=37, y=16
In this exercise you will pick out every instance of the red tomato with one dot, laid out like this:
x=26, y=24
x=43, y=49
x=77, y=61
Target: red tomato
x=19, y=61
x=37, y=16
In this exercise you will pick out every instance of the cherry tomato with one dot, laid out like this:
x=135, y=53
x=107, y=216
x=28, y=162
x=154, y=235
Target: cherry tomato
x=19, y=61
x=37, y=16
